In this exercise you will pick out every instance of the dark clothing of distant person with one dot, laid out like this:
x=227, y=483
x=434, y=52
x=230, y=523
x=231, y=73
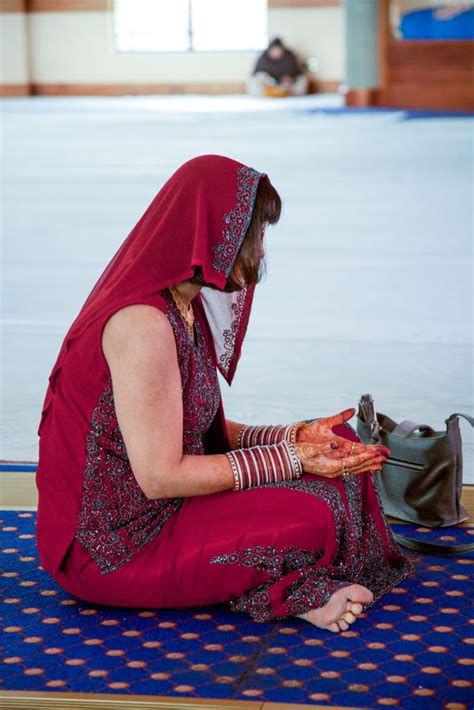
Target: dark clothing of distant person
x=278, y=72
x=288, y=65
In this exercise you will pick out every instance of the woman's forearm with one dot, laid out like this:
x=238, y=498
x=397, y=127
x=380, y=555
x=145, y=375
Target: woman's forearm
x=255, y=466
x=235, y=470
x=193, y=476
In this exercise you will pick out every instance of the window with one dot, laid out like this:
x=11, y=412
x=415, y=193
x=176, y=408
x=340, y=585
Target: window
x=190, y=25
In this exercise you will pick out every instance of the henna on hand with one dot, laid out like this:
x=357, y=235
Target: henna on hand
x=325, y=461
x=320, y=431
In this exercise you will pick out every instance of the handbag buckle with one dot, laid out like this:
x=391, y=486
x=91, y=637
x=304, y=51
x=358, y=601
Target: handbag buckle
x=366, y=404
x=375, y=431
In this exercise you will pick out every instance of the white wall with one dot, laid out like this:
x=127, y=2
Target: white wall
x=77, y=48
x=13, y=52
x=314, y=32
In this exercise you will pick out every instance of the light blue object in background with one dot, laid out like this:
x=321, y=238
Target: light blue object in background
x=361, y=43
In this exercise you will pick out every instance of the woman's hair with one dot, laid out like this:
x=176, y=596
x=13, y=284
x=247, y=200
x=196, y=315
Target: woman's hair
x=276, y=42
x=266, y=209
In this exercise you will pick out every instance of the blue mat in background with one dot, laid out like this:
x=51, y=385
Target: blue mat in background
x=405, y=114
x=20, y=467
x=414, y=649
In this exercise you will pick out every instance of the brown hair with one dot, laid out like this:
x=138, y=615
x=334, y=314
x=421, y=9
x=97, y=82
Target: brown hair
x=266, y=209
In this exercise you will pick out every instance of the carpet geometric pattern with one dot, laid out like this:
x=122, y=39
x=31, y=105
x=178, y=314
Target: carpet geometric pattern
x=414, y=649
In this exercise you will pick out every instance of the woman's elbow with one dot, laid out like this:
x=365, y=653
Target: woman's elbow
x=152, y=491
x=153, y=484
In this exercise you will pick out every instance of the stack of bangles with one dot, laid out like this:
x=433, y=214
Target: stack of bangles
x=266, y=435
x=265, y=454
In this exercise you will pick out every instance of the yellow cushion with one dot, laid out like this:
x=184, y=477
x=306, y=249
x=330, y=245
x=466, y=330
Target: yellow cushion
x=275, y=91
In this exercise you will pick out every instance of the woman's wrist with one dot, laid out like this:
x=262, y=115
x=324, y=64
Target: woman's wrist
x=264, y=465
x=233, y=432
x=298, y=427
x=266, y=435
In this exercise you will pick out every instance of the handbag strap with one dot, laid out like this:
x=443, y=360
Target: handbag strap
x=407, y=427
x=433, y=548
x=460, y=414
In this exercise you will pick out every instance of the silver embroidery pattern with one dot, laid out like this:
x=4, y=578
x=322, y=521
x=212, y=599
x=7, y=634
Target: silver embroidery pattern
x=115, y=517
x=230, y=334
x=236, y=221
x=269, y=558
x=362, y=557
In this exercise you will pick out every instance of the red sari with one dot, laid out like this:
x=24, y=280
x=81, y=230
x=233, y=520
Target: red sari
x=273, y=551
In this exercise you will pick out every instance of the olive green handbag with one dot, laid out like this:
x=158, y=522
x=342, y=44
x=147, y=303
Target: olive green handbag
x=421, y=481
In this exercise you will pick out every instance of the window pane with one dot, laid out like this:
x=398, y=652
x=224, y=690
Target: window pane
x=151, y=25
x=229, y=24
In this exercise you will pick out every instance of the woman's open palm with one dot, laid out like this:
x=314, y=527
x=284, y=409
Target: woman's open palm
x=325, y=453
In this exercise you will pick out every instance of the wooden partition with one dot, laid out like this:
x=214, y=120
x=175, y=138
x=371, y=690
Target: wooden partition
x=429, y=74
x=419, y=74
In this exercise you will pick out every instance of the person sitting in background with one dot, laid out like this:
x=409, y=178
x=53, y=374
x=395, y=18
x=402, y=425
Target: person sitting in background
x=278, y=72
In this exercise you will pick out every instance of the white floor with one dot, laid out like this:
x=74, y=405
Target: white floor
x=369, y=274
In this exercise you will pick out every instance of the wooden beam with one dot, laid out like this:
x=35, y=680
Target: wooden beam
x=18, y=489
x=427, y=96
x=28, y=700
x=323, y=86
x=106, y=5
x=361, y=97
x=15, y=90
x=212, y=88
x=136, y=89
x=12, y=6
x=69, y=5
x=421, y=61
x=276, y=4
x=384, y=32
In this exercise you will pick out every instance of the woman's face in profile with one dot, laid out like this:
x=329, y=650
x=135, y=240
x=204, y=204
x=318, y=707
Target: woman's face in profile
x=260, y=249
x=259, y=253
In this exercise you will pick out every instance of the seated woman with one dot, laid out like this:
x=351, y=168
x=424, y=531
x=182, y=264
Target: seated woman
x=148, y=496
x=278, y=72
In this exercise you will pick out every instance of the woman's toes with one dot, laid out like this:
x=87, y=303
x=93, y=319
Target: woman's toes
x=342, y=605
x=349, y=617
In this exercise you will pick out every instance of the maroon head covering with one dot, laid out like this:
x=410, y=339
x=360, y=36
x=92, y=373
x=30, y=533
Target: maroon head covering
x=198, y=218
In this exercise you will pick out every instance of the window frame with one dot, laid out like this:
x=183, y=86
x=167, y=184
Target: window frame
x=190, y=50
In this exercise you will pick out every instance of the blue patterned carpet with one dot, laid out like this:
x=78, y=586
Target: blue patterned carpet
x=414, y=649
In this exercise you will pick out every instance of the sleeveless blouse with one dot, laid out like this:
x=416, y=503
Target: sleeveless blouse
x=114, y=517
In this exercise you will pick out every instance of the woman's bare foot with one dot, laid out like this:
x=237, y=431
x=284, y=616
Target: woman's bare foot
x=342, y=609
